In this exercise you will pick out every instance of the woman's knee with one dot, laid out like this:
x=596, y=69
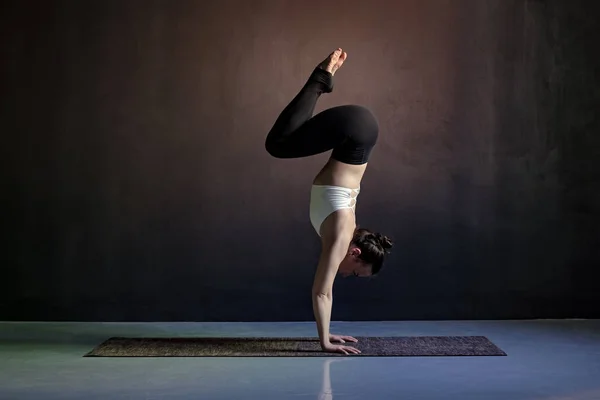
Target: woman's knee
x=274, y=149
x=270, y=147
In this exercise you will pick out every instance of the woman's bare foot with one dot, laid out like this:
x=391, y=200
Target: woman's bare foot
x=335, y=60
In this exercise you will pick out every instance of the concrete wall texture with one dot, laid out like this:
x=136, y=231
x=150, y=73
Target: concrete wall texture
x=137, y=187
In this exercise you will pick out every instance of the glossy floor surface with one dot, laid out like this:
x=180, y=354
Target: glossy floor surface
x=547, y=360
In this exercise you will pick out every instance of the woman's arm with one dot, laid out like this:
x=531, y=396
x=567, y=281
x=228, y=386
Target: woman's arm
x=322, y=292
x=336, y=234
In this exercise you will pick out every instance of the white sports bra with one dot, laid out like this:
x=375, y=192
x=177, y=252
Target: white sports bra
x=326, y=199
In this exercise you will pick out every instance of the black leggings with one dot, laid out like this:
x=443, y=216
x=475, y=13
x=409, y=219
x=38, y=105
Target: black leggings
x=350, y=131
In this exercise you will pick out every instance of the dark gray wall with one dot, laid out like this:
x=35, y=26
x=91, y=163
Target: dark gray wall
x=136, y=185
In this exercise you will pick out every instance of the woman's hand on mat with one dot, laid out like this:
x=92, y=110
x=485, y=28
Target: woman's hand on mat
x=338, y=348
x=341, y=339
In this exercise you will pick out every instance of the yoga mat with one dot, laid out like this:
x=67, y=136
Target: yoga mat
x=414, y=346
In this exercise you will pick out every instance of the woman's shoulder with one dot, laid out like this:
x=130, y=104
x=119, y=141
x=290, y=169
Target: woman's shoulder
x=338, y=228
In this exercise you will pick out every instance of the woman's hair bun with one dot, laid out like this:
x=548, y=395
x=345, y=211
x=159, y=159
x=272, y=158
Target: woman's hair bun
x=385, y=242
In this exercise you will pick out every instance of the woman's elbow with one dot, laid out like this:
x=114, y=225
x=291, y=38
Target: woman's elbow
x=321, y=293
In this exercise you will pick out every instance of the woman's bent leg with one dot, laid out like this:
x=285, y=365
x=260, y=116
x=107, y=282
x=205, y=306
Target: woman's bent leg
x=296, y=133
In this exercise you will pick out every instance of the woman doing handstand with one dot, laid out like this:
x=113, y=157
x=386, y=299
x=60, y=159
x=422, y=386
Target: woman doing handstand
x=351, y=132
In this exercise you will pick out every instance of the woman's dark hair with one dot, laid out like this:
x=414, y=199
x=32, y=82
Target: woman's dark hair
x=373, y=247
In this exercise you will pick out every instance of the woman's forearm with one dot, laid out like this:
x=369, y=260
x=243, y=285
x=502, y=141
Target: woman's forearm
x=322, y=304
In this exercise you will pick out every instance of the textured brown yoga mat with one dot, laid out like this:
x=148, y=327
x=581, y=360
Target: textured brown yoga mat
x=414, y=346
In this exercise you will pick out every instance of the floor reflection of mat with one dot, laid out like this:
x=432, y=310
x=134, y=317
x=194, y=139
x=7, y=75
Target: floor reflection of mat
x=403, y=346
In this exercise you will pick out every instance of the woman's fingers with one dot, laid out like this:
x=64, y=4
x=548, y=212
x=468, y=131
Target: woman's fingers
x=351, y=349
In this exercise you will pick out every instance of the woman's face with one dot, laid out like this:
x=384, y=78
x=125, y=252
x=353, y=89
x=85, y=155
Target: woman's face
x=352, y=265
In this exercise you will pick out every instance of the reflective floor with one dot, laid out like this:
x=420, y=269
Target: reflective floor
x=547, y=360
